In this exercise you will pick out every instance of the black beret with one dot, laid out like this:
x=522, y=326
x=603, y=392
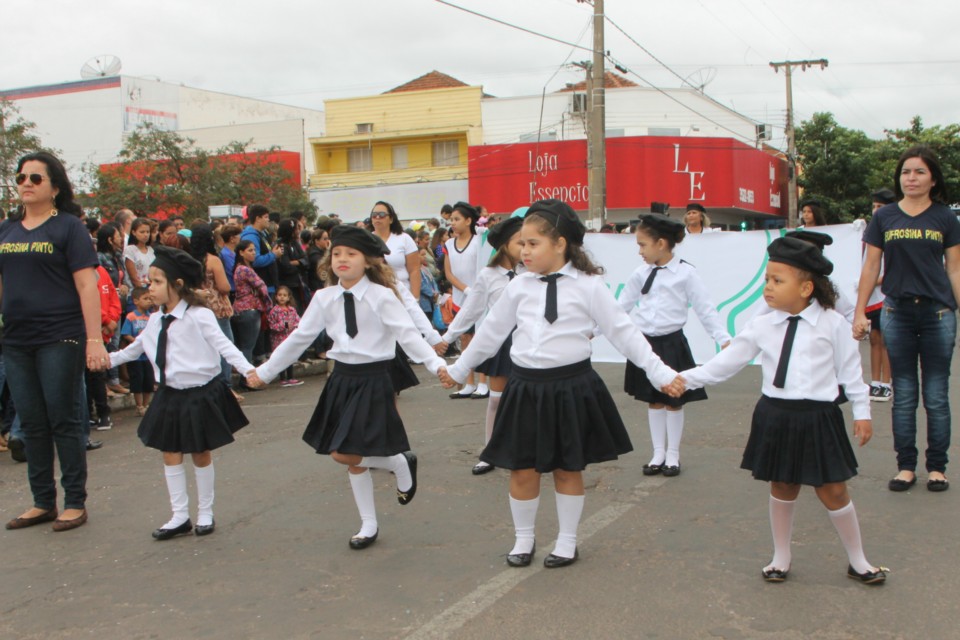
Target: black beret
x=821, y=240
x=884, y=196
x=178, y=265
x=799, y=254
x=696, y=206
x=356, y=238
x=467, y=210
x=562, y=217
x=500, y=233
x=662, y=223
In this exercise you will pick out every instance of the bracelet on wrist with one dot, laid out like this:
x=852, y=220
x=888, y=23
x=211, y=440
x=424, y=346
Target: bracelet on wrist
x=95, y=340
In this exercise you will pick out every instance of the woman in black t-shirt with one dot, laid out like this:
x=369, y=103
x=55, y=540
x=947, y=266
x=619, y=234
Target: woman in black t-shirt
x=918, y=239
x=51, y=313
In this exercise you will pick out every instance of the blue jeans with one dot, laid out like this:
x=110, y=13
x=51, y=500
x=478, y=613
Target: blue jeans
x=920, y=329
x=45, y=382
x=225, y=369
x=246, y=329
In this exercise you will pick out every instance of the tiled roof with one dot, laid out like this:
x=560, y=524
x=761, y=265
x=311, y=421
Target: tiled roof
x=610, y=81
x=432, y=80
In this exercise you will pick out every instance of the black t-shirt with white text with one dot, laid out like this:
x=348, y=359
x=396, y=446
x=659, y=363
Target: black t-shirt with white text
x=41, y=304
x=913, y=250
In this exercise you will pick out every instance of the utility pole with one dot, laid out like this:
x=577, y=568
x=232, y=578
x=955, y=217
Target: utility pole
x=788, y=66
x=597, y=123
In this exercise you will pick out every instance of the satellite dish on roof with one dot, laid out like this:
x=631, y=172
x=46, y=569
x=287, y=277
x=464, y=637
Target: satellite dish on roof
x=100, y=66
x=701, y=78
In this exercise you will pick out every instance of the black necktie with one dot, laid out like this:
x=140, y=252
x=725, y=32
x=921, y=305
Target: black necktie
x=780, y=378
x=649, y=282
x=350, y=312
x=511, y=274
x=165, y=323
x=550, y=312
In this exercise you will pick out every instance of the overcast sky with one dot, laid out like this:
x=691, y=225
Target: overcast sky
x=889, y=60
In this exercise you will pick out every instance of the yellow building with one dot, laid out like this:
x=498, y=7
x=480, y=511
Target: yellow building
x=418, y=132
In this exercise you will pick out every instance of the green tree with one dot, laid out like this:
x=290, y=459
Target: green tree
x=162, y=173
x=17, y=138
x=944, y=140
x=837, y=166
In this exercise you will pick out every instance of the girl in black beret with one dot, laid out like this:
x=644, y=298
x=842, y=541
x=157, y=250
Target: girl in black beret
x=501, y=269
x=556, y=415
x=356, y=420
x=798, y=436
x=193, y=411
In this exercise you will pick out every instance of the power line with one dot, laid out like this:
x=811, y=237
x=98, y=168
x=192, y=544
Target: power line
x=644, y=49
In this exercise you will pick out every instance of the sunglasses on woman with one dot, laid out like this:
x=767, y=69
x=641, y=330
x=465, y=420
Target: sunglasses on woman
x=34, y=178
x=379, y=214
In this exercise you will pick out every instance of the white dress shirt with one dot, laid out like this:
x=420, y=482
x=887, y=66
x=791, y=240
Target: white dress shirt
x=419, y=318
x=382, y=321
x=463, y=265
x=583, y=302
x=400, y=245
x=194, y=346
x=484, y=293
x=824, y=355
x=663, y=309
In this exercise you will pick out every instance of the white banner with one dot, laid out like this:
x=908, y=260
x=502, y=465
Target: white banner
x=731, y=264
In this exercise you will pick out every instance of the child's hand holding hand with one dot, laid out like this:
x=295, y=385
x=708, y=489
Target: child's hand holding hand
x=441, y=347
x=863, y=430
x=445, y=378
x=254, y=381
x=676, y=388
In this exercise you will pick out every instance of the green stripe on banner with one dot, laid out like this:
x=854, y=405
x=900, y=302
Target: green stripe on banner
x=750, y=284
x=757, y=293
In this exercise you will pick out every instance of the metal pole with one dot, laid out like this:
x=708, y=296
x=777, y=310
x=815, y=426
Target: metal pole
x=792, y=214
x=596, y=157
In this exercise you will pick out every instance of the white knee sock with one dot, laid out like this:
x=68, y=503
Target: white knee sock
x=179, y=500
x=781, y=525
x=467, y=389
x=362, y=485
x=205, y=478
x=674, y=434
x=846, y=523
x=396, y=464
x=658, y=434
x=492, y=405
x=524, y=514
x=569, y=509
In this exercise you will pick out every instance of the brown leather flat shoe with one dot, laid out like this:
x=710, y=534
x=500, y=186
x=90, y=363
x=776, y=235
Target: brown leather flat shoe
x=66, y=525
x=23, y=523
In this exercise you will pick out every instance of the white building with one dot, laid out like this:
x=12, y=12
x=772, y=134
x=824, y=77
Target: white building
x=630, y=111
x=87, y=120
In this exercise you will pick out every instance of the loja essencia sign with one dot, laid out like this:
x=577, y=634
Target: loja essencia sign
x=716, y=172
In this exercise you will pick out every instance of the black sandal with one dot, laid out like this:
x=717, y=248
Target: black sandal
x=938, y=485
x=868, y=577
x=775, y=575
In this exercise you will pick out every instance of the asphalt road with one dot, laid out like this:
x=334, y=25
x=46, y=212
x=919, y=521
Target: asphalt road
x=659, y=558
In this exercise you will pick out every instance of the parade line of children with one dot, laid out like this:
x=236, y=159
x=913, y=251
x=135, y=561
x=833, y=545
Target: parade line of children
x=544, y=300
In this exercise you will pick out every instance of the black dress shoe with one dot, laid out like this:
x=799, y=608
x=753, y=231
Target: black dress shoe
x=166, y=534
x=17, y=449
x=521, y=559
x=897, y=484
x=775, y=575
x=555, y=562
x=671, y=471
x=93, y=445
x=404, y=497
x=362, y=542
x=481, y=468
x=652, y=469
x=869, y=577
x=937, y=485
x=204, y=529
x=479, y=396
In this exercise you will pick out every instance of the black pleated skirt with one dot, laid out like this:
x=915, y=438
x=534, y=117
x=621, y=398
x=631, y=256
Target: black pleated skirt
x=674, y=350
x=401, y=373
x=192, y=420
x=560, y=418
x=799, y=442
x=357, y=413
x=500, y=363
